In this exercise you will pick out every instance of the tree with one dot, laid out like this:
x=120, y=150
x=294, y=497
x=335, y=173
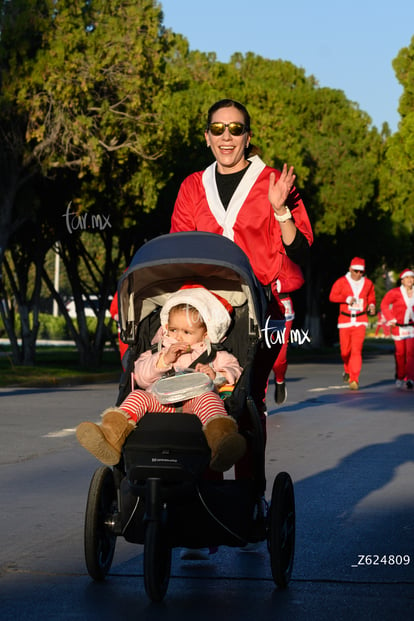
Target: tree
x=20, y=27
x=87, y=93
x=397, y=174
x=20, y=24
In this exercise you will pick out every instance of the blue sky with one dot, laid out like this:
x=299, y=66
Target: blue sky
x=346, y=45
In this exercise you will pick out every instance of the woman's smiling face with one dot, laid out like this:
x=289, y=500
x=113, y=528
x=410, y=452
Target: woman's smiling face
x=226, y=148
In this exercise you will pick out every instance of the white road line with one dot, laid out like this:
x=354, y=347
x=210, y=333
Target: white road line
x=327, y=388
x=62, y=433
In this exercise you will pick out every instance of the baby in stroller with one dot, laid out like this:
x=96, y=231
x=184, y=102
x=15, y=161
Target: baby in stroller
x=192, y=320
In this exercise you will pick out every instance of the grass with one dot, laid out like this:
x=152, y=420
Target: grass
x=57, y=366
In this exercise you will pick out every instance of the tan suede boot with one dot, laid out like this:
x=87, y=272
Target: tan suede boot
x=226, y=444
x=105, y=441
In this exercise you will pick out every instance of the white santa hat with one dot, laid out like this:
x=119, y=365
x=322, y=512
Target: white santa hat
x=405, y=273
x=357, y=264
x=214, y=310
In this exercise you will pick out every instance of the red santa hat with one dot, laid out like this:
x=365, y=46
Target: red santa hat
x=406, y=272
x=214, y=310
x=357, y=264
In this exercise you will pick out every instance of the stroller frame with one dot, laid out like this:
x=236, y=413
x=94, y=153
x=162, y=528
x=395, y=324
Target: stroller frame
x=158, y=494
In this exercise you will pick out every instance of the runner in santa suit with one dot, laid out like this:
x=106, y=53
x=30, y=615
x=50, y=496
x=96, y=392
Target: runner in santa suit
x=397, y=306
x=289, y=279
x=243, y=199
x=356, y=297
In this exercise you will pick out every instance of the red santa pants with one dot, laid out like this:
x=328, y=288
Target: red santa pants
x=204, y=406
x=351, y=341
x=404, y=359
x=280, y=366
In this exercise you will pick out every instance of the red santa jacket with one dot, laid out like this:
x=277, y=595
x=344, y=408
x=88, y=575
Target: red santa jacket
x=248, y=220
x=113, y=309
x=343, y=290
x=290, y=278
x=398, y=310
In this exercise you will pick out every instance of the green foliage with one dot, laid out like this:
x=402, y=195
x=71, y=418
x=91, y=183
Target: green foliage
x=397, y=174
x=55, y=328
x=93, y=89
x=52, y=328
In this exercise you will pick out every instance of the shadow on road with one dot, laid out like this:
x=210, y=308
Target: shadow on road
x=362, y=506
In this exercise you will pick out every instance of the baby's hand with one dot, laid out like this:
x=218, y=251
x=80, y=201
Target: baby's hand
x=206, y=368
x=175, y=351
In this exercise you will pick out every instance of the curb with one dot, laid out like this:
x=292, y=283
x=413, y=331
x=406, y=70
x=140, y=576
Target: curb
x=98, y=378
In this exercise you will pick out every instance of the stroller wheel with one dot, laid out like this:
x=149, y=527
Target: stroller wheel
x=157, y=561
x=281, y=529
x=99, y=540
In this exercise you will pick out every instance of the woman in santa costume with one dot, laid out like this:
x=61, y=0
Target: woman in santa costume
x=355, y=295
x=397, y=307
x=252, y=204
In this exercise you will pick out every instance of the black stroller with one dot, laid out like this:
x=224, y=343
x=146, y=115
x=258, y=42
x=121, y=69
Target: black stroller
x=159, y=494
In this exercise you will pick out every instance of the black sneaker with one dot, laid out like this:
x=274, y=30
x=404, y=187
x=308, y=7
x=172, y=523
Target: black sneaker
x=410, y=384
x=345, y=377
x=280, y=392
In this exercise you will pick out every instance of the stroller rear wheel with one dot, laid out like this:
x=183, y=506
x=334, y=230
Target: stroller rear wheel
x=157, y=561
x=281, y=529
x=99, y=540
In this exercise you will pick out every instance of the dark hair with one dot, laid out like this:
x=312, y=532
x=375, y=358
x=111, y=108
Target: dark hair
x=232, y=103
x=229, y=103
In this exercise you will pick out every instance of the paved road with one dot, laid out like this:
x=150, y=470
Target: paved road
x=350, y=454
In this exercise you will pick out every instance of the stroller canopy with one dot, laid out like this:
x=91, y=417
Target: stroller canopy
x=164, y=264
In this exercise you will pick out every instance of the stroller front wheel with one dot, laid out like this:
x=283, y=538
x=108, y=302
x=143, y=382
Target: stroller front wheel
x=99, y=540
x=281, y=529
x=157, y=561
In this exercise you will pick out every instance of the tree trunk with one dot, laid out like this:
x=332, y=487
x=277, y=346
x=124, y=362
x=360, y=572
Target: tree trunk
x=29, y=336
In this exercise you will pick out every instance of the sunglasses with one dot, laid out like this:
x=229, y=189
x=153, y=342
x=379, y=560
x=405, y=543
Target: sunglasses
x=236, y=129
x=358, y=271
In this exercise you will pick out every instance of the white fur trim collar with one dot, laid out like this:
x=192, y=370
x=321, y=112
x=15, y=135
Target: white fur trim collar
x=227, y=217
x=409, y=302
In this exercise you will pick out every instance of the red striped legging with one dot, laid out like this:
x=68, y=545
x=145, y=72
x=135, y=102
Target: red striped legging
x=204, y=406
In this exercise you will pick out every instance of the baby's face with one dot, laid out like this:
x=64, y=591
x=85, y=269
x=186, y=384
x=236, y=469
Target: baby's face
x=185, y=326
